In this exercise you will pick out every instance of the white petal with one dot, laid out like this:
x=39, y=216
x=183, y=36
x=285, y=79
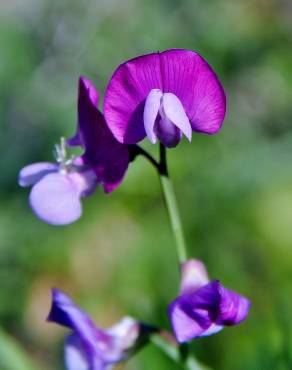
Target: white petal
x=152, y=105
x=174, y=111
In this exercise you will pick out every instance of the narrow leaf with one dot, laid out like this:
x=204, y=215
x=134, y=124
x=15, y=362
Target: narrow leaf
x=12, y=355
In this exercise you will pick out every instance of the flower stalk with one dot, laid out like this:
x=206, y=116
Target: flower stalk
x=174, y=352
x=171, y=206
x=168, y=195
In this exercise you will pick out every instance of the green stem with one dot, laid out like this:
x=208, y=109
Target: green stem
x=169, y=196
x=173, y=352
x=171, y=206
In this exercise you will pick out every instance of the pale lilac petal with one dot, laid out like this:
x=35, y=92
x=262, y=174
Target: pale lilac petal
x=152, y=105
x=193, y=276
x=127, y=328
x=126, y=94
x=125, y=334
x=213, y=329
x=31, y=174
x=85, y=181
x=175, y=112
x=185, y=326
x=76, y=357
x=55, y=199
x=193, y=314
x=188, y=76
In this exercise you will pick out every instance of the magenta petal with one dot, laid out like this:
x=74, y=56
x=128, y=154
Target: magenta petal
x=152, y=105
x=87, y=111
x=234, y=308
x=125, y=97
x=55, y=200
x=29, y=175
x=91, y=90
x=188, y=76
x=107, y=157
x=174, y=111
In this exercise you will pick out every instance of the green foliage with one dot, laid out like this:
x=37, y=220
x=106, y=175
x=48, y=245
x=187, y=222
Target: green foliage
x=12, y=356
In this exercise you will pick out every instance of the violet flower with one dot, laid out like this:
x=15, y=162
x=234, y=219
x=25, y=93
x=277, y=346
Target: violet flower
x=204, y=308
x=163, y=96
x=89, y=347
x=58, y=187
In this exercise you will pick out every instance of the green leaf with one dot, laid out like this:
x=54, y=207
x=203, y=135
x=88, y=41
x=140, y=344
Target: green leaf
x=12, y=355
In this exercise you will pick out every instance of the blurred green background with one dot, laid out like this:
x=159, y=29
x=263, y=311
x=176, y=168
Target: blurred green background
x=234, y=189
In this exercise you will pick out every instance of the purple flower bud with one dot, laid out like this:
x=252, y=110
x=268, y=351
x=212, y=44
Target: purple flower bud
x=89, y=347
x=204, y=308
x=164, y=96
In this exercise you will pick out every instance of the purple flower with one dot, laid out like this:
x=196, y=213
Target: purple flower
x=204, y=308
x=58, y=187
x=163, y=96
x=89, y=347
x=107, y=157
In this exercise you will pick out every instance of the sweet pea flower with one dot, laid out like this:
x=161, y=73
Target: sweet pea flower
x=203, y=307
x=88, y=347
x=163, y=96
x=107, y=157
x=58, y=187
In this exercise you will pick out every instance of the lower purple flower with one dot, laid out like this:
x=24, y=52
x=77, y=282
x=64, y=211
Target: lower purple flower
x=89, y=347
x=204, y=308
